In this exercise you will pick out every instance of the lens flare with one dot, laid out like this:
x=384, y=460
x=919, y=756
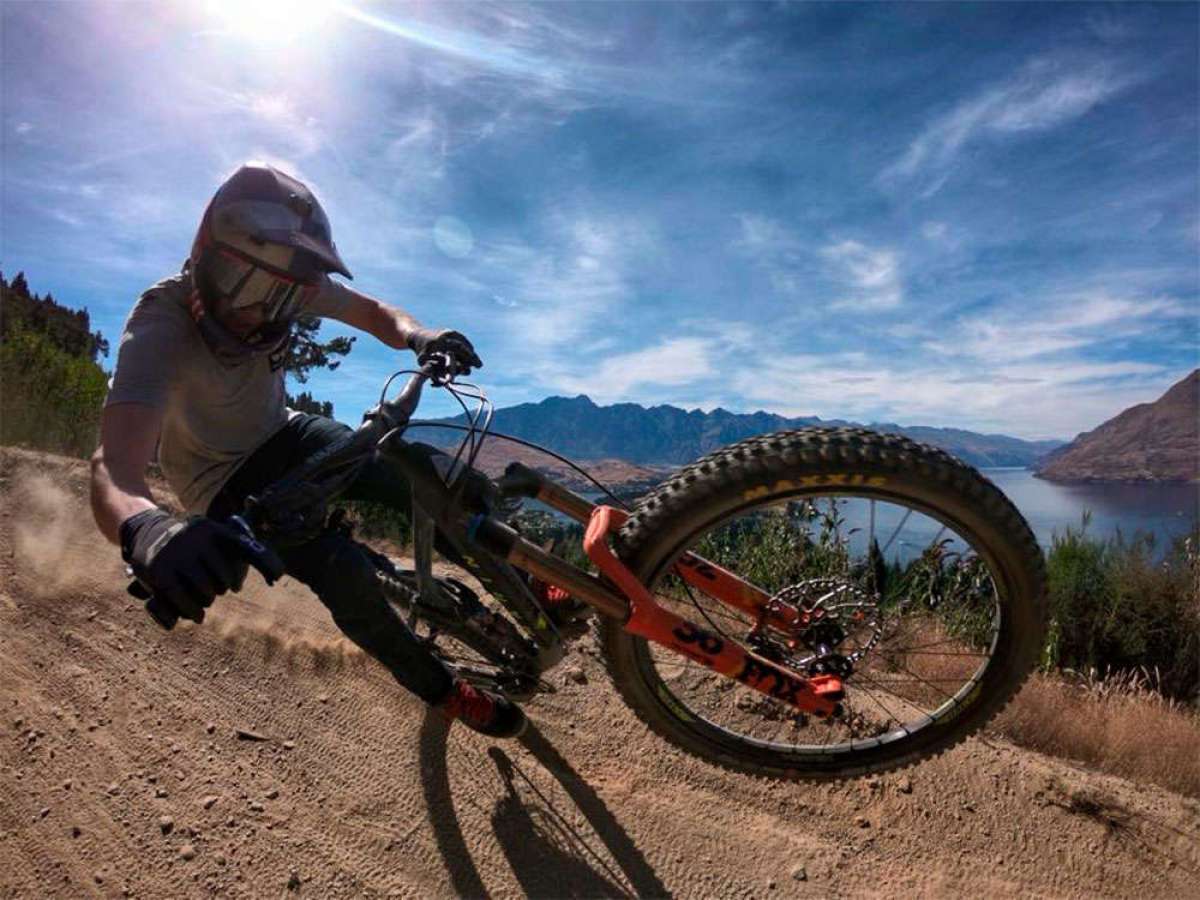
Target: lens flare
x=270, y=21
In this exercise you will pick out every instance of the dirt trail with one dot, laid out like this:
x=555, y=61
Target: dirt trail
x=122, y=771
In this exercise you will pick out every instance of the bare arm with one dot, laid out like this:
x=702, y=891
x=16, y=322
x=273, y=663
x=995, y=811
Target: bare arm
x=128, y=434
x=390, y=324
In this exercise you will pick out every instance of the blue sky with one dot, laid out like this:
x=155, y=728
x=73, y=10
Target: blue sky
x=984, y=216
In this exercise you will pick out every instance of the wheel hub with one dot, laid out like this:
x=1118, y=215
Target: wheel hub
x=825, y=614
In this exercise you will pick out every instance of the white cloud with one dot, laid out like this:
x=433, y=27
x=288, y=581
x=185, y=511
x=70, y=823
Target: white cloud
x=934, y=231
x=23, y=127
x=1052, y=325
x=564, y=290
x=67, y=218
x=1057, y=365
x=776, y=250
x=673, y=362
x=760, y=234
x=1024, y=399
x=1044, y=94
x=873, y=275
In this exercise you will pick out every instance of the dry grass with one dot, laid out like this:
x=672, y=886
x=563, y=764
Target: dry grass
x=1118, y=726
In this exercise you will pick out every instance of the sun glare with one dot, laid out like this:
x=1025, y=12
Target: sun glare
x=270, y=21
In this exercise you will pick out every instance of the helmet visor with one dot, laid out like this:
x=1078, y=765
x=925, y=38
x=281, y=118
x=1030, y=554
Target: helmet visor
x=279, y=224
x=241, y=283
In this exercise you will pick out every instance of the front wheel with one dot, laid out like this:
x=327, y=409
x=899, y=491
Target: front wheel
x=917, y=580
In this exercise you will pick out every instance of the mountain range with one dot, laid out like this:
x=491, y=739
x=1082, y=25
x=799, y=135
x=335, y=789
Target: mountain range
x=666, y=435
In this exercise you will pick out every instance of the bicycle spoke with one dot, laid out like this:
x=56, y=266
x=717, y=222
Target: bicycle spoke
x=907, y=513
x=891, y=715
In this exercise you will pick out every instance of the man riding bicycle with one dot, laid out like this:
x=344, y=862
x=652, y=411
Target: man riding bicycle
x=200, y=376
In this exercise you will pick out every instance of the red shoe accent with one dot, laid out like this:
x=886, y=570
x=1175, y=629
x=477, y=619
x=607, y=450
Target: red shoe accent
x=470, y=704
x=550, y=595
x=483, y=712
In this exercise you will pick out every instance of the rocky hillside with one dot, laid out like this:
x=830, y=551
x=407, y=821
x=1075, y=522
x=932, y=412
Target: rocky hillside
x=1157, y=441
x=496, y=455
x=667, y=435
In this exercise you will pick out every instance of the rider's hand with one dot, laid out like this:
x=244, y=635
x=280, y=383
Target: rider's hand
x=184, y=562
x=425, y=341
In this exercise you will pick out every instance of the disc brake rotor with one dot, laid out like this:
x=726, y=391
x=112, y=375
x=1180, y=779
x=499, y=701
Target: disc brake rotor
x=836, y=624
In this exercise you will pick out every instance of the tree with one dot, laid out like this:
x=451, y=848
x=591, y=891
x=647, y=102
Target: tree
x=306, y=403
x=306, y=352
x=53, y=387
x=67, y=329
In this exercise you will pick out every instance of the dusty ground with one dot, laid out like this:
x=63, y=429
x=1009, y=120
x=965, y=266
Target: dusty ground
x=122, y=771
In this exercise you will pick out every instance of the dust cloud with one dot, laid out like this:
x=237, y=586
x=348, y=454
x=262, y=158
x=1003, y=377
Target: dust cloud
x=58, y=549
x=285, y=623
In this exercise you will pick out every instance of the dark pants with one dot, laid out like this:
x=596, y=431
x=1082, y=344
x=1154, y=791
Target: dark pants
x=337, y=568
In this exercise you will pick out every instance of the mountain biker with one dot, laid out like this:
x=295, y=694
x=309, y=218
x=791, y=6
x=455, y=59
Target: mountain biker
x=200, y=375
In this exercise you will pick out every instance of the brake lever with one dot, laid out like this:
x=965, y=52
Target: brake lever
x=438, y=366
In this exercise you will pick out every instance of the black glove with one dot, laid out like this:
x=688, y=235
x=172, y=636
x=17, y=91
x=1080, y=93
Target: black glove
x=426, y=341
x=185, y=563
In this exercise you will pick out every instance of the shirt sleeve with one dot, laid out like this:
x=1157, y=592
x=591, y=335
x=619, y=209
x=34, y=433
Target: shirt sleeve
x=331, y=299
x=146, y=361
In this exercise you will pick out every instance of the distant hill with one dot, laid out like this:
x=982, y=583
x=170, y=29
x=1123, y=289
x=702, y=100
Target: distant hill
x=667, y=435
x=1157, y=441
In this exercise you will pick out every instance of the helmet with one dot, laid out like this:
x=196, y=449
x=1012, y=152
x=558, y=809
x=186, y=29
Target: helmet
x=264, y=240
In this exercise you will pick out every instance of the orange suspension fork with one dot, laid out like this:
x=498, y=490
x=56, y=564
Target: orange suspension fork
x=818, y=695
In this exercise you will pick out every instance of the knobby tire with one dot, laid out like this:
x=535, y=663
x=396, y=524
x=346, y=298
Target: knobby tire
x=717, y=486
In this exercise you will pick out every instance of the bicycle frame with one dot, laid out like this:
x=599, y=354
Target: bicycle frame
x=494, y=552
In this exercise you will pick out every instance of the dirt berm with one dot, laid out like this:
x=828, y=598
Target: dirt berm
x=260, y=755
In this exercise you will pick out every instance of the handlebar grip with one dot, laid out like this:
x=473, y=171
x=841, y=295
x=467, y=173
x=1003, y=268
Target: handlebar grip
x=262, y=557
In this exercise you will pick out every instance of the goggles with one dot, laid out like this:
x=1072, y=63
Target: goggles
x=243, y=283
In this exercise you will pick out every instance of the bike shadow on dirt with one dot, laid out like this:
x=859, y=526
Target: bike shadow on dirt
x=1154, y=842
x=557, y=834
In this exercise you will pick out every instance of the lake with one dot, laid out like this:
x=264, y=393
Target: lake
x=1165, y=510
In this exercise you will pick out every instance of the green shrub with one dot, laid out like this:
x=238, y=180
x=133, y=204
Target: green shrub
x=49, y=399
x=378, y=521
x=1119, y=606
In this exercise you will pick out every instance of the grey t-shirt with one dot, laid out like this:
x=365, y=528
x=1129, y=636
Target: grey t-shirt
x=214, y=415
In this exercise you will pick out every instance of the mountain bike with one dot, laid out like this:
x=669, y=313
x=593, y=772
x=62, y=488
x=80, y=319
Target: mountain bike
x=819, y=603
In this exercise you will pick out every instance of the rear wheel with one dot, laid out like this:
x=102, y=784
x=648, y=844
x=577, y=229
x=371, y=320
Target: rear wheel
x=915, y=578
